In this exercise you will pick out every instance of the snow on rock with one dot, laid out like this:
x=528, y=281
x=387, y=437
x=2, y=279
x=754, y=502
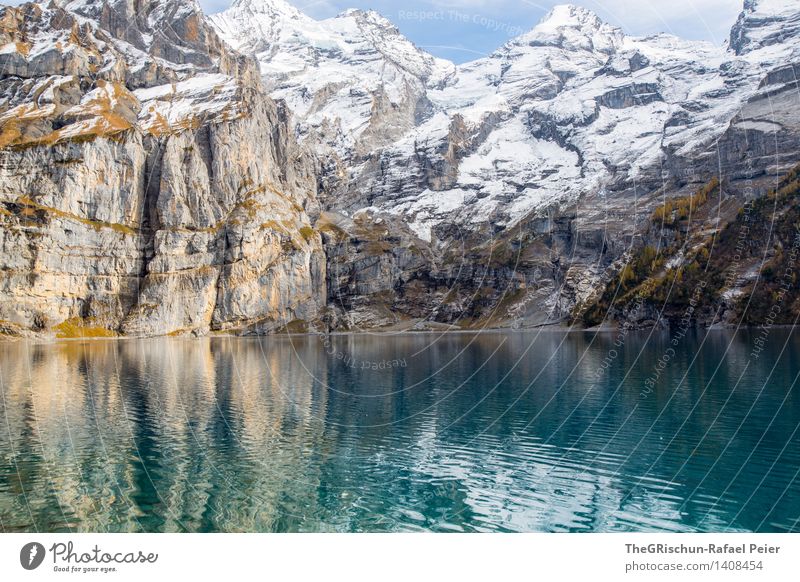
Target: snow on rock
x=169, y=108
x=157, y=65
x=573, y=28
x=766, y=23
x=563, y=111
x=557, y=113
x=353, y=82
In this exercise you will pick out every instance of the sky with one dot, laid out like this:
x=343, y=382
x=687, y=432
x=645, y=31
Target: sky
x=463, y=30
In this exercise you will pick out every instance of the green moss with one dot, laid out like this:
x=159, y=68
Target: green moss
x=307, y=233
x=30, y=205
x=296, y=326
x=82, y=328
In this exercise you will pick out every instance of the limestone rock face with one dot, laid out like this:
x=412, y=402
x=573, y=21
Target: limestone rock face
x=148, y=185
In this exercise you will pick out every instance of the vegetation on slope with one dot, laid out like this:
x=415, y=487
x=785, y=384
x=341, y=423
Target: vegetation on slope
x=648, y=278
x=746, y=272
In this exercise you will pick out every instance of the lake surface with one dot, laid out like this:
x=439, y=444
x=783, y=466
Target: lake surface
x=464, y=432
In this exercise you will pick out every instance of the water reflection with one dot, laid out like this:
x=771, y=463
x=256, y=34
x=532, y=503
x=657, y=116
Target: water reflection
x=493, y=432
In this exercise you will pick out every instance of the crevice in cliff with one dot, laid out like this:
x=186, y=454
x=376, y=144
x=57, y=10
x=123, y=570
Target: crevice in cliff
x=149, y=215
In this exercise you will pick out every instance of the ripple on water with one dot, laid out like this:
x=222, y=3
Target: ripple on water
x=475, y=433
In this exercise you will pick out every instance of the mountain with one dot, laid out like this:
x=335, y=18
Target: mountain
x=338, y=177
x=561, y=97
x=353, y=83
x=148, y=184
x=763, y=24
x=569, y=136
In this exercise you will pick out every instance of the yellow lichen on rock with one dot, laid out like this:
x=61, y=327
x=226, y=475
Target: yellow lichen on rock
x=77, y=328
x=107, y=110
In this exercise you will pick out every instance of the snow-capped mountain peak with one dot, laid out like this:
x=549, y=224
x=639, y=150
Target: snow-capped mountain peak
x=341, y=76
x=274, y=8
x=371, y=15
x=540, y=121
x=772, y=7
x=570, y=15
x=573, y=27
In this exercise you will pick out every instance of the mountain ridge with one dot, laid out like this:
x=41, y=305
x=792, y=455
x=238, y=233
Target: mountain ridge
x=337, y=177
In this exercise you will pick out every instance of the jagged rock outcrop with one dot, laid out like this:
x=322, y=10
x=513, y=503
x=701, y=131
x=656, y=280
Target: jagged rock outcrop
x=148, y=185
x=763, y=24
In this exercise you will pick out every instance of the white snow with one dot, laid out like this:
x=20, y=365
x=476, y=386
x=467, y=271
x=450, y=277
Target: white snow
x=329, y=72
x=176, y=104
x=559, y=72
x=545, y=119
x=774, y=7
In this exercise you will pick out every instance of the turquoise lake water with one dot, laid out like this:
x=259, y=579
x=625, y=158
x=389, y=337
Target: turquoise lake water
x=516, y=432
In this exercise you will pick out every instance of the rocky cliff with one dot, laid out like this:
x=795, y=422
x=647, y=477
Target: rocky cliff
x=148, y=185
